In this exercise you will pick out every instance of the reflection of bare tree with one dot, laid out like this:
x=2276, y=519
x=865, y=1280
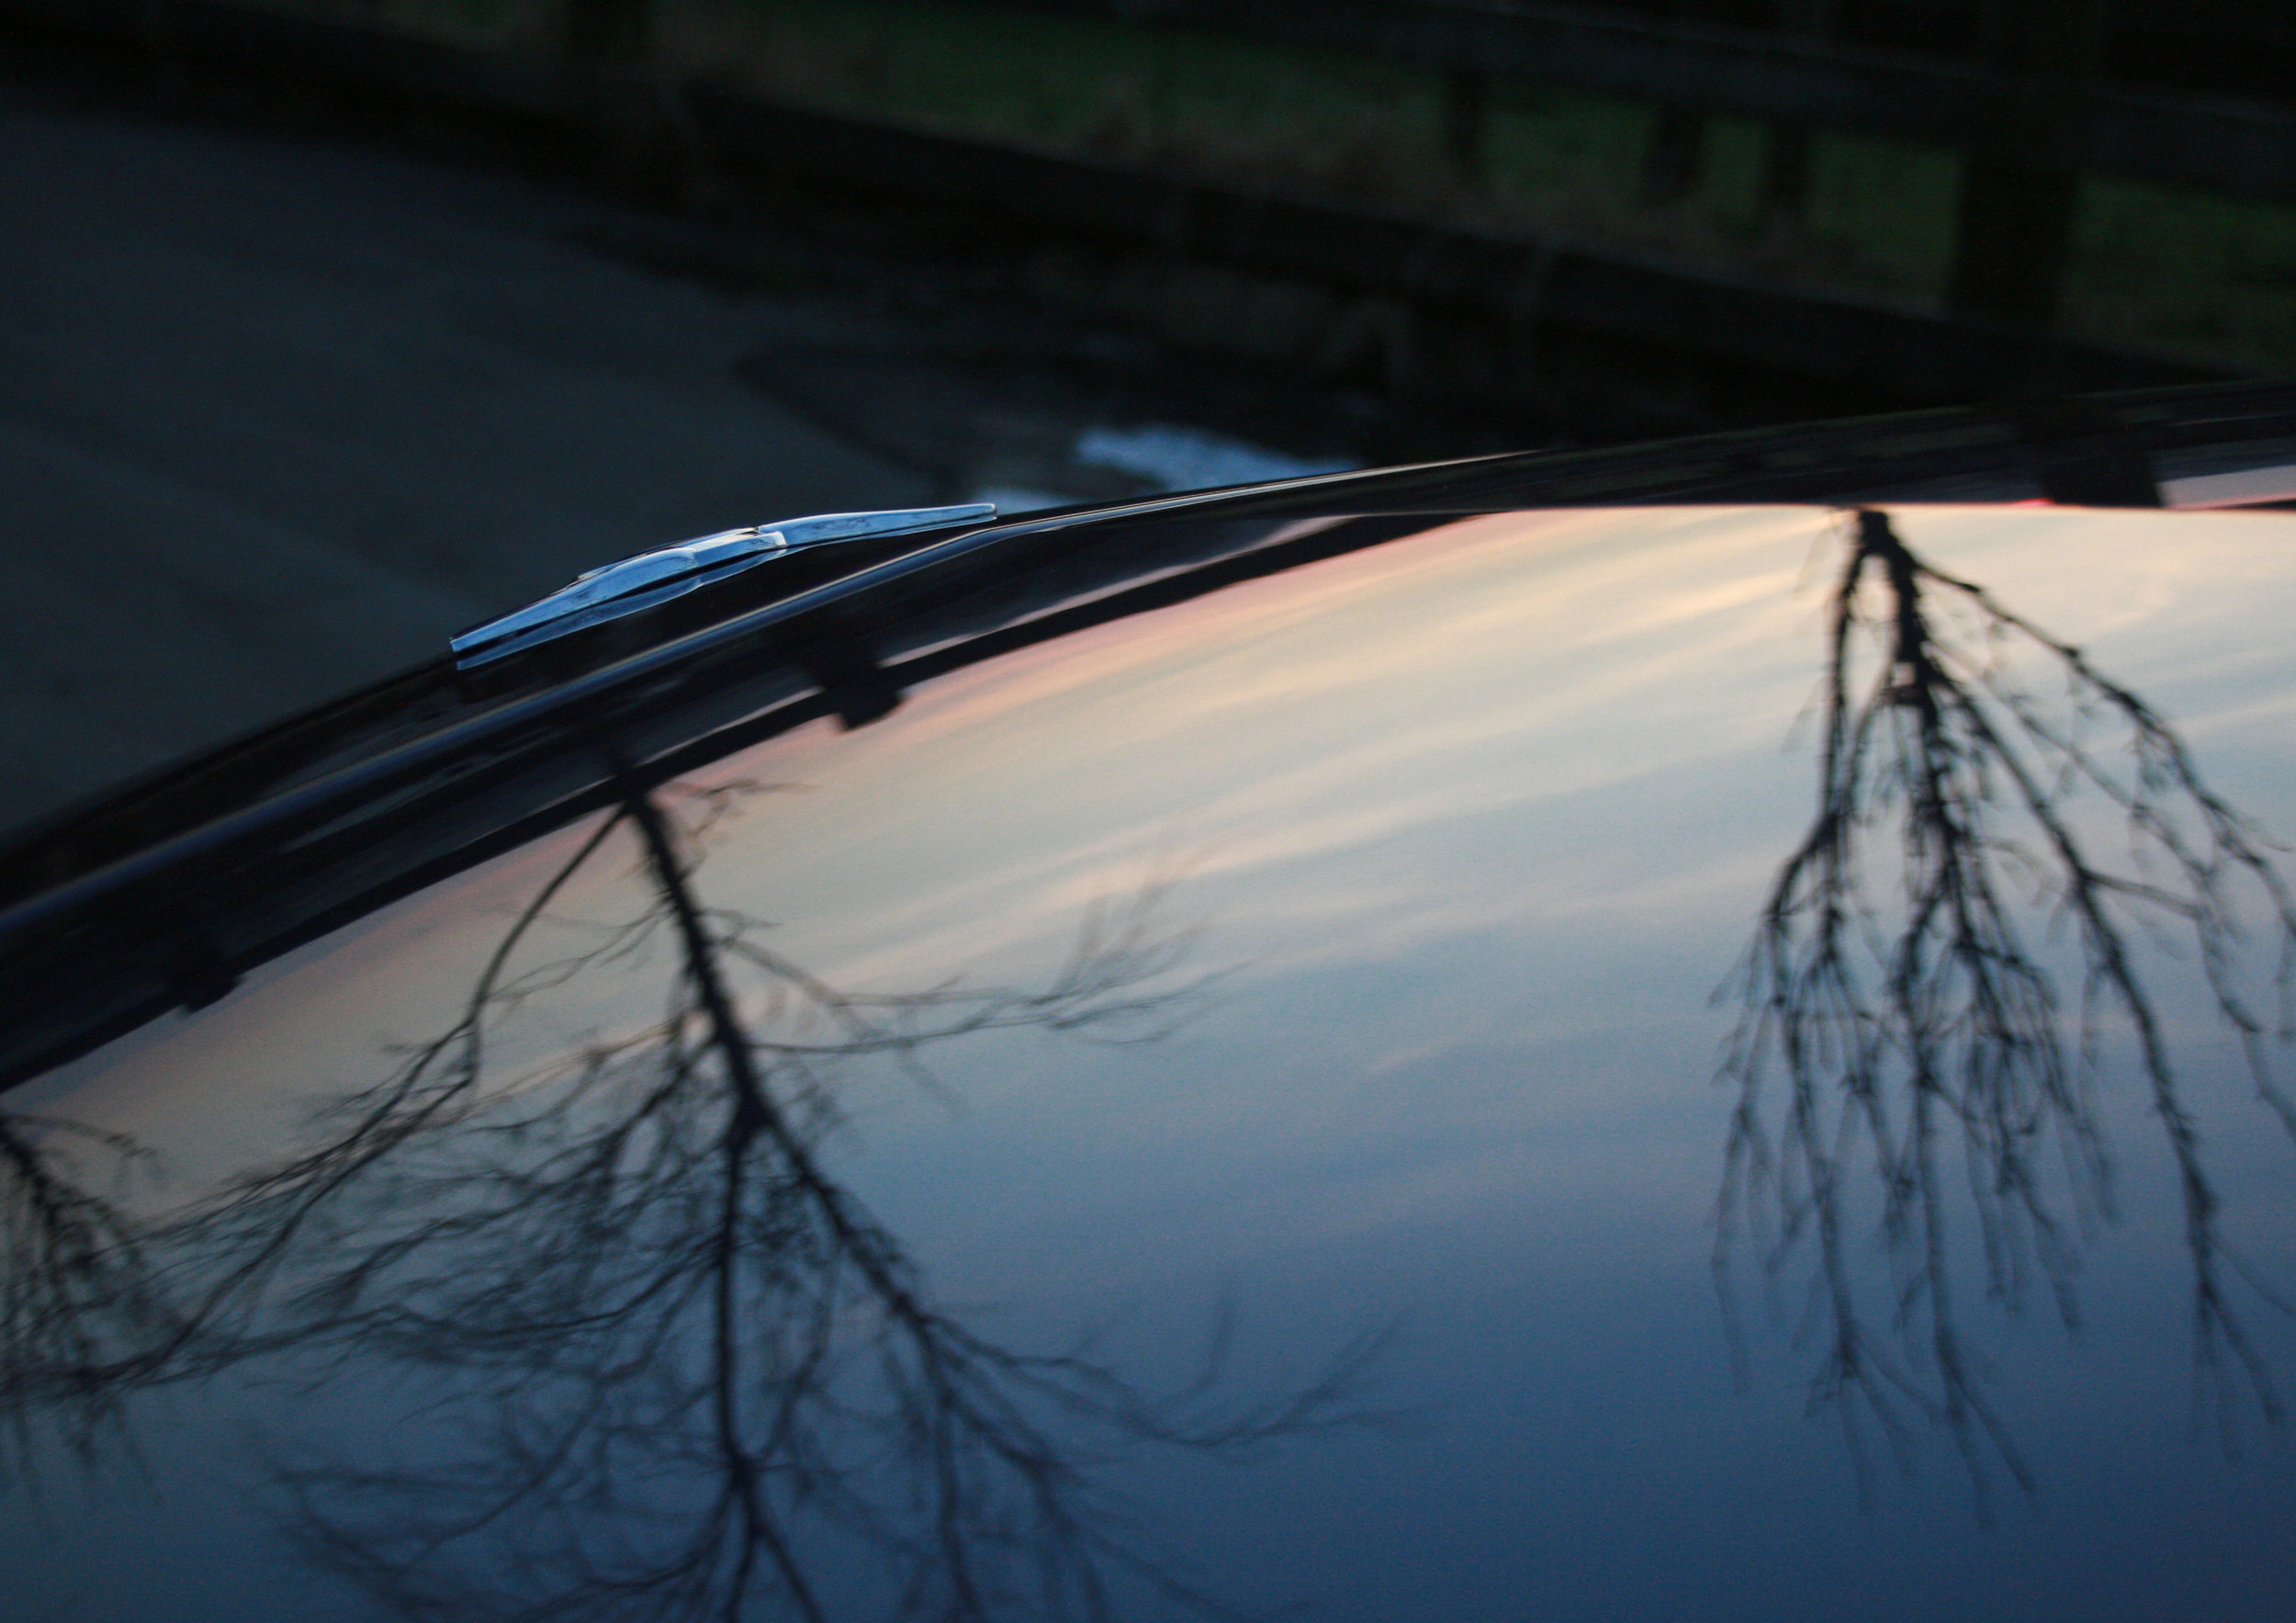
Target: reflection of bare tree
x=690, y=1373
x=1911, y=1025
x=76, y=1288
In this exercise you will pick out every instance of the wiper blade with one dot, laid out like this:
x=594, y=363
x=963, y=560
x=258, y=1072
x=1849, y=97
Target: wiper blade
x=641, y=581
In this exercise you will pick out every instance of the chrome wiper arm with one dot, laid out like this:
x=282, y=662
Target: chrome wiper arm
x=625, y=587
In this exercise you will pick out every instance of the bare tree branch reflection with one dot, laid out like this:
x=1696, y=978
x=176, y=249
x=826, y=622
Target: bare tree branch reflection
x=688, y=1372
x=1907, y=1025
x=77, y=1289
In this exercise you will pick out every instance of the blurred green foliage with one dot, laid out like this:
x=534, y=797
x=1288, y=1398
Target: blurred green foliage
x=2154, y=269
x=2208, y=275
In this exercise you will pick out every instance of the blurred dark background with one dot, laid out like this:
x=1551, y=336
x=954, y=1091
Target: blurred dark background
x=329, y=326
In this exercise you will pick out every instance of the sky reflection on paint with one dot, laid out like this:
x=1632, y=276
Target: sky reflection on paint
x=1467, y=827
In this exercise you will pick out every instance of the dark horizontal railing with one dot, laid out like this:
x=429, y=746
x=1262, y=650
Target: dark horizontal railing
x=1505, y=286
x=2242, y=47
x=1503, y=281
x=2233, y=148
x=2026, y=107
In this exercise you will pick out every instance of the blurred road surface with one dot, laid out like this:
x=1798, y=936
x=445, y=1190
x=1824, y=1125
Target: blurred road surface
x=275, y=418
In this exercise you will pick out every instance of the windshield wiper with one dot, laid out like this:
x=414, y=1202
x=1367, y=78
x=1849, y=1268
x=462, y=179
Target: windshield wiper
x=614, y=590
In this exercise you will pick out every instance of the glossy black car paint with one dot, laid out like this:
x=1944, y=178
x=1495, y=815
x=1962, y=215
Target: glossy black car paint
x=245, y=885
x=552, y=735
